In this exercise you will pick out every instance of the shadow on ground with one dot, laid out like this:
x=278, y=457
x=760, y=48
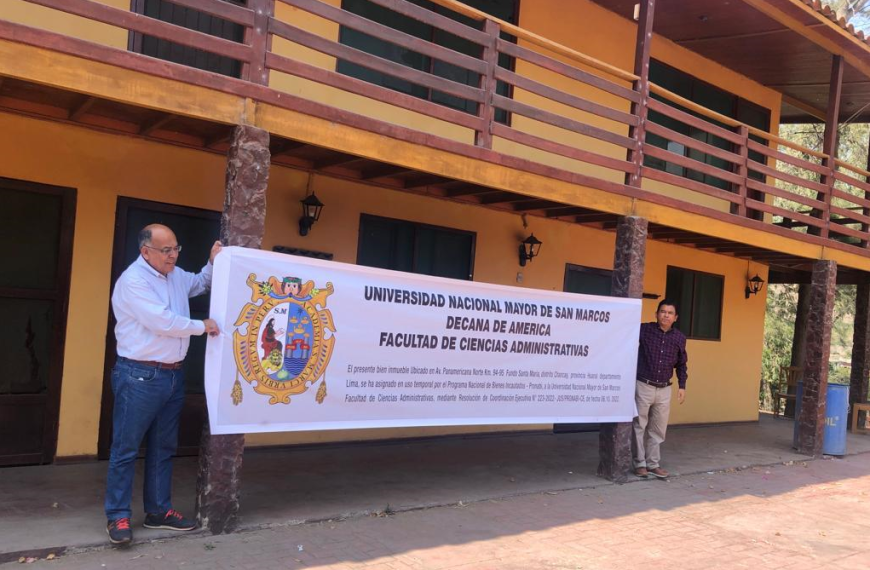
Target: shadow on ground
x=57, y=507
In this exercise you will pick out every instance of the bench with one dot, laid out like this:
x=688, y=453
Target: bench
x=856, y=410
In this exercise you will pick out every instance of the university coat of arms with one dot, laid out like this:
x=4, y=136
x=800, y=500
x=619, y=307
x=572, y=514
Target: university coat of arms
x=280, y=343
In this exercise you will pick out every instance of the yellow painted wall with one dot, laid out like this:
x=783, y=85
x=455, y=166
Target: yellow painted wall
x=581, y=25
x=335, y=97
x=723, y=375
x=102, y=167
x=599, y=33
x=585, y=27
x=22, y=12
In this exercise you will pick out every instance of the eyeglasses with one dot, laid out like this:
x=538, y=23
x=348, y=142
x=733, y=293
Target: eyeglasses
x=166, y=250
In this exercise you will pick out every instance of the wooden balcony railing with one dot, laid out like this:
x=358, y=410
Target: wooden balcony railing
x=749, y=176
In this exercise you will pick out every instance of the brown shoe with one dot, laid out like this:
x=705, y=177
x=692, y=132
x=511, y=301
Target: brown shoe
x=660, y=473
x=641, y=472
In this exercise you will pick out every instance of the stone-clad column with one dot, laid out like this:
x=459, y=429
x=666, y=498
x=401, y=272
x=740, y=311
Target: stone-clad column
x=242, y=224
x=815, y=375
x=861, y=344
x=614, y=440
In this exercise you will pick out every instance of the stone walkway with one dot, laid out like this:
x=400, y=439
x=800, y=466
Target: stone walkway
x=799, y=515
x=52, y=508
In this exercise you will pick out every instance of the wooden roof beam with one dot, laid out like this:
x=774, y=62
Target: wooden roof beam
x=596, y=218
x=465, y=189
x=805, y=107
x=158, y=122
x=384, y=171
x=842, y=45
x=568, y=211
x=287, y=146
x=337, y=160
x=534, y=205
x=756, y=255
x=504, y=198
x=83, y=107
x=671, y=233
x=223, y=137
x=428, y=180
x=695, y=240
x=725, y=246
x=797, y=275
x=776, y=256
x=746, y=35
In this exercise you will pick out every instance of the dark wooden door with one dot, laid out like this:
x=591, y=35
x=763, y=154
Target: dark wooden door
x=196, y=231
x=36, y=236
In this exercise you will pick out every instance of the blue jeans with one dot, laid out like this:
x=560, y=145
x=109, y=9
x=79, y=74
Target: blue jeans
x=148, y=402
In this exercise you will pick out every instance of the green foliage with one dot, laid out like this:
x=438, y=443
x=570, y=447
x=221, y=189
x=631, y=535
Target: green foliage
x=853, y=140
x=779, y=334
x=782, y=299
x=856, y=12
x=838, y=374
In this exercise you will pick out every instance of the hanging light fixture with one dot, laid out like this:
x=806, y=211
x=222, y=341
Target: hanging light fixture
x=311, y=208
x=529, y=249
x=754, y=285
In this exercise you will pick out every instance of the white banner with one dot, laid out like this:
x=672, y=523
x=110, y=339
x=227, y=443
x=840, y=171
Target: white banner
x=314, y=345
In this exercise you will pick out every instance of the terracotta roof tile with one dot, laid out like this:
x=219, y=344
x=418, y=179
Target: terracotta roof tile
x=830, y=14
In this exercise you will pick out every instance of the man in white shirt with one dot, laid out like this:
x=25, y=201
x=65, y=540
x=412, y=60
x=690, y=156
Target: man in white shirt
x=150, y=302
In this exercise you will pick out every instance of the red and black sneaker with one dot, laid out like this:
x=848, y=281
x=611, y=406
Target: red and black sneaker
x=119, y=531
x=170, y=520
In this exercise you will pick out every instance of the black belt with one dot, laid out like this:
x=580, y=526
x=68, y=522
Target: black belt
x=155, y=364
x=654, y=384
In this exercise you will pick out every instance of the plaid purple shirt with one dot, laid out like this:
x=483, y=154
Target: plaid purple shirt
x=660, y=353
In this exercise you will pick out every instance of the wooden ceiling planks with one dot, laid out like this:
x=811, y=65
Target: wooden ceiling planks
x=738, y=36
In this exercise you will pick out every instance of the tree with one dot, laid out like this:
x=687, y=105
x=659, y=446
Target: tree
x=855, y=12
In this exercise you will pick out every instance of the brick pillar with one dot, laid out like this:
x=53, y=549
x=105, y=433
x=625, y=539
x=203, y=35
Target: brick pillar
x=818, y=352
x=614, y=440
x=861, y=345
x=242, y=224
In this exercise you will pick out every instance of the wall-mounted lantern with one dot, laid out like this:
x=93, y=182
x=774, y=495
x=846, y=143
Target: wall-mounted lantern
x=311, y=208
x=529, y=249
x=754, y=285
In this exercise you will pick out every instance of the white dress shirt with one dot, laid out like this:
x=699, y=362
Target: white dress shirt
x=153, y=311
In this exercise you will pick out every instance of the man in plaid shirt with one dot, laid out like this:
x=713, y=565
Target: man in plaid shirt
x=662, y=351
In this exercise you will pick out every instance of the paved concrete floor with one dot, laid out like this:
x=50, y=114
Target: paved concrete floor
x=798, y=516
x=51, y=507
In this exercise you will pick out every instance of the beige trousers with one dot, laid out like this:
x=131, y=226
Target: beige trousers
x=651, y=424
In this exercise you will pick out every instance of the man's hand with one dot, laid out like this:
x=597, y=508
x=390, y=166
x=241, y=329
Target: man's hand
x=681, y=395
x=215, y=249
x=211, y=327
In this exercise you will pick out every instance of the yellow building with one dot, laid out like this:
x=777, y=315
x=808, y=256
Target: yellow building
x=438, y=137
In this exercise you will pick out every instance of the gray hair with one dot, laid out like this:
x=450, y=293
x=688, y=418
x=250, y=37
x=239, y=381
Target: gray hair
x=144, y=237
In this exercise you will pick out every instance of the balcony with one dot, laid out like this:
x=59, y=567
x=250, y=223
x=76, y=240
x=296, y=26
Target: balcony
x=508, y=98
